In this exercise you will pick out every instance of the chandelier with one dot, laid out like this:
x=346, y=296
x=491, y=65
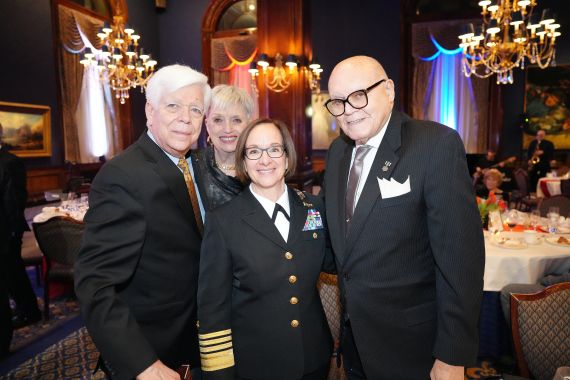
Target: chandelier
x=120, y=62
x=509, y=34
x=277, y=78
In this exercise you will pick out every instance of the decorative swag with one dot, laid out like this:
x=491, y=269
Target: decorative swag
x=72, y=24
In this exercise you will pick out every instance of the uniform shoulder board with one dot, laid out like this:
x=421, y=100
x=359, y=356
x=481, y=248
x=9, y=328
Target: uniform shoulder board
x=303, y=197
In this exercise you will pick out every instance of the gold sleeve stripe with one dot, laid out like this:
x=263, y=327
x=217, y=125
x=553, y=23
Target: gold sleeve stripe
x=215, y=362
x=218, y=347
x=215, y=334
x=211, y=342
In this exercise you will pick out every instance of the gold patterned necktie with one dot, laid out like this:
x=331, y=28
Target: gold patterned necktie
x=183, y=164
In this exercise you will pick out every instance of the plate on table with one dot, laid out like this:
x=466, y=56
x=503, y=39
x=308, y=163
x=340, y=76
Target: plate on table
x=563, y=230
x=508, y=243
x=560, y=241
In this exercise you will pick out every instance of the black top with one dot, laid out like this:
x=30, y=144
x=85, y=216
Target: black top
x=216, y=188
x=548, y=154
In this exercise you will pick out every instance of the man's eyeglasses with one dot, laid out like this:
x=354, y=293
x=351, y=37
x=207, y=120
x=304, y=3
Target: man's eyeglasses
x=175, y=108
x=275, y=151
x=358, y=99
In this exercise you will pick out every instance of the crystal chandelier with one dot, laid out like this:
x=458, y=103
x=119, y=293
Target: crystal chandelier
x=277, y=78
x=510, y=32
x=120, y=61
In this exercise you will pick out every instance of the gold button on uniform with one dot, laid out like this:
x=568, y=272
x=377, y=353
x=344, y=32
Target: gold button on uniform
x=294, y=323
x=292, y=279
x=294, y=300
x=288, y=255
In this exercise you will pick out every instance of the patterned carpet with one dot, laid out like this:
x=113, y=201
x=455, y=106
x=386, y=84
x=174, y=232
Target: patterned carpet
x=61, y=310
x=74, y=357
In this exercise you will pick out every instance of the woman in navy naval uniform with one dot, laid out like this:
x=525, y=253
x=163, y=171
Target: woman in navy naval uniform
x=260, y=315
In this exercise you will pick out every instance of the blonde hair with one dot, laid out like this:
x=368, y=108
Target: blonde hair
x=225, y=96
x=494, y=173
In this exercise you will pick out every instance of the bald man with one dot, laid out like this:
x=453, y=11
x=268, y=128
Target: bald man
x=406, y=234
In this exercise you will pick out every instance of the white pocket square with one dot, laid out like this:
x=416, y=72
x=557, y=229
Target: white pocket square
x=393, y=188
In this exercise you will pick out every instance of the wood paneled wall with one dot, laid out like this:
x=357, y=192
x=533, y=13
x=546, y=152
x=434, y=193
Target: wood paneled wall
x=44, y=179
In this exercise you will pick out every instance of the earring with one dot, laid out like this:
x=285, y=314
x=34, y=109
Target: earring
x=209, y=140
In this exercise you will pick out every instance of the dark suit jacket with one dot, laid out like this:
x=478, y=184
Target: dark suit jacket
x=16, y=170
x=245, y=286
x=136, y=276
x=548, y=148
x=8, y=212
x=411, y=266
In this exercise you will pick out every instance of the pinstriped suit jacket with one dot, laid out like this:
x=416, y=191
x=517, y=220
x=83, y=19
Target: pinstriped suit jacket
x=411, y=266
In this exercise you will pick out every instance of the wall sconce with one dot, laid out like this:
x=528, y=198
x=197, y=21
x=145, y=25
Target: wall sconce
x=277, y=78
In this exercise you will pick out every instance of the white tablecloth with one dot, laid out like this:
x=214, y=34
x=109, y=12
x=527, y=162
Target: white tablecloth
x=74, y=209
x=505, y=266
x=548, y=187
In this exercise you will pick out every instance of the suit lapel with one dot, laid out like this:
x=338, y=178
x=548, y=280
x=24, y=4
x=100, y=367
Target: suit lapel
x=385, y=161
x=254, y=214
x=336, y=213
x=171, y=175
x=298, y=217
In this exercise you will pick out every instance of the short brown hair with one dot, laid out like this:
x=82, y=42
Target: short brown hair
x=287, y=144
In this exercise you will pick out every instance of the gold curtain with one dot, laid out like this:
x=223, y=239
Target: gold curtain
x=71, y=72
x=240, y=47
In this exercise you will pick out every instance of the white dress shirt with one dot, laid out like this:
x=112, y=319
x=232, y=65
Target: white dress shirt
x=374, y=143
x=281, y=222
x=175, y=161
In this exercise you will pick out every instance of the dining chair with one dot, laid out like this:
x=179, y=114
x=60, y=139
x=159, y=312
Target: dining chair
x=522, y=196
x=59, y=239
x=565, y=187
x=32, y=255
x=330, y=298
x=541, y=333
x=560, y=201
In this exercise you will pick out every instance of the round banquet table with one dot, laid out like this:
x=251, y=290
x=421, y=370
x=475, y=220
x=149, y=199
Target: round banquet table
x=504, y=266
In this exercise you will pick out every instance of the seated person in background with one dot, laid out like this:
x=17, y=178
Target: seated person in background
x=492, y=181
x=485, y=162
x=528, y=289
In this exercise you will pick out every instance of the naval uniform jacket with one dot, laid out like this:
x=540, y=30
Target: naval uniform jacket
x=136, y=276
x=410, y=267
x=258, y=304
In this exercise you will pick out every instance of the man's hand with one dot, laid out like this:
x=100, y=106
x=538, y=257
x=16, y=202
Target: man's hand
x=158, y=371
x=444, y=371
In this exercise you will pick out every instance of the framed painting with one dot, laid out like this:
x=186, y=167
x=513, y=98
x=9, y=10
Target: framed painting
x=547, y=105
x=26, y=129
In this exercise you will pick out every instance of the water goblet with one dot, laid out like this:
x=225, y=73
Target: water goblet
x=534, y=219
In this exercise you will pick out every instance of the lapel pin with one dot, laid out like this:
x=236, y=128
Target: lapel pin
x=314, y=235
x=384, y=168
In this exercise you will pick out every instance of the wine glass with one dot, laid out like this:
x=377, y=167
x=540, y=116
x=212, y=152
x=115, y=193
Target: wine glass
x=535, y=219
x=553, y=219
x=511, y=219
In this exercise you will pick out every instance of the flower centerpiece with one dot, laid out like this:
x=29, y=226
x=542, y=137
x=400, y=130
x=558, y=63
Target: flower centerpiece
x=492, y=203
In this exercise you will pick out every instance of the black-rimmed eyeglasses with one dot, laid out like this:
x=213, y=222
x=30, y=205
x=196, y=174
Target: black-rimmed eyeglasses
x=358, y=99
x=255, y=153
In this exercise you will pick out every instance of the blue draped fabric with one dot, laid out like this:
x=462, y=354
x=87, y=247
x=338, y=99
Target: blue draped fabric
x=449, y=95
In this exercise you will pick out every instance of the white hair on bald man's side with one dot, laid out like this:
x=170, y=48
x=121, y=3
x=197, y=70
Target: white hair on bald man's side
x=171, y=78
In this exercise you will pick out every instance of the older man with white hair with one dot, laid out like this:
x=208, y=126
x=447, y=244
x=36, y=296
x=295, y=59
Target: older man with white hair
x=137, y=273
